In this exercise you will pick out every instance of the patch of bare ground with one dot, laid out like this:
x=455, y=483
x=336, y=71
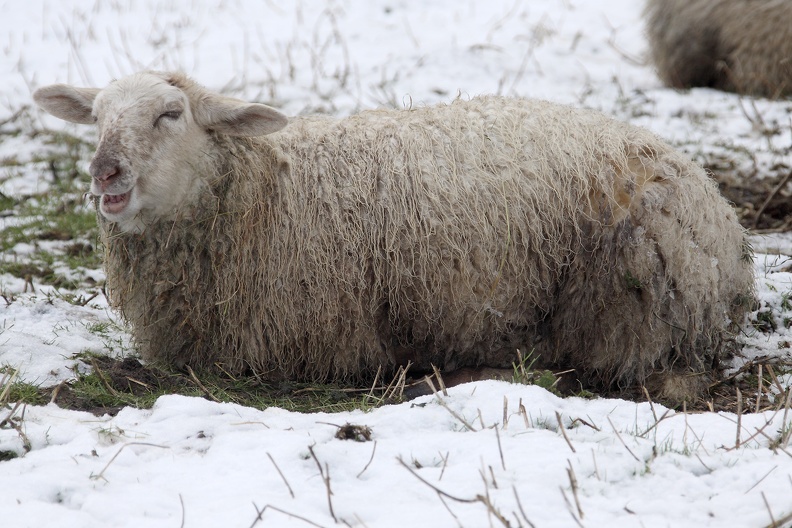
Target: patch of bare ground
x=118, y=383
x=763, y=204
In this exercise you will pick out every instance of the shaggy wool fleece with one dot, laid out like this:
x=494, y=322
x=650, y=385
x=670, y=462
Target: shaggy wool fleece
x=451, y=236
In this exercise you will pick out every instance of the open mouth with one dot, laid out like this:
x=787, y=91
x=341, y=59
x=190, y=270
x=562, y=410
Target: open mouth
x=115, y=203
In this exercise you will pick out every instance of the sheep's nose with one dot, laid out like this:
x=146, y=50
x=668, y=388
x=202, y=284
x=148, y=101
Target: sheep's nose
x=104, y=171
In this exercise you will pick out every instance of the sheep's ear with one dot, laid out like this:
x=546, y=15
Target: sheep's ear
x=67, y=102
x=238, y=118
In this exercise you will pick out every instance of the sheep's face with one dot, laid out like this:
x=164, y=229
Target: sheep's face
x=154, y=146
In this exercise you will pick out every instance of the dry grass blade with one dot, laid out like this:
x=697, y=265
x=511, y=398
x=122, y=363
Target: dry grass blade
x=774, y=443
x=739, y=417
x=500, y=448
x=491, y=509
x=455, y=415
x=183, y=511
x=56, y=391
x=449, y=510
x=770, y=197
x=5, y=386
x=445, y=405
x=100, y=475
x=104, y=380
x=325, y=474
x=781, y=522
x=570, y=509
x=761, y=479
x=484, y=499
x=395, y=389
x=769, y=511
x=747, y=367
x=776, y=382
x=573, y=483
x=15, y=424
x=435, y=488
x=260, y=513
x=584, y=422
x=440, y=381
x=657, y=422
x=201, y=386
x=785, y=425
x=651, y=405
x=370, y=394
x=563, y=432
x=520, y=507
x=371, y=459
x=524, y=413
x=445, y=464
x=596, y=469
x=622, y=440
x=14, y=418
x=759, y=388
x=430, y=384
x=291, y=492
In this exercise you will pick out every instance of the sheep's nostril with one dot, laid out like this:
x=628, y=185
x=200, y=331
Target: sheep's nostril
x=104, y=171
x=106, y=174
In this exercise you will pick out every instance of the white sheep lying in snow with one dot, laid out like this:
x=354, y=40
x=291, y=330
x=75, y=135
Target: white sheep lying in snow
x=450, y=236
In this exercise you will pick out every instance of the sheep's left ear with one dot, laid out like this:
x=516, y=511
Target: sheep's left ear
x=238, y=118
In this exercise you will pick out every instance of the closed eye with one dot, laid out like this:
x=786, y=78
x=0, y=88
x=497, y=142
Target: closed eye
x=170, y=114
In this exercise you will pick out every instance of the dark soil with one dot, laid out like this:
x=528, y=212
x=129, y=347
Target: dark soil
x=762, y=204
x=128, y=382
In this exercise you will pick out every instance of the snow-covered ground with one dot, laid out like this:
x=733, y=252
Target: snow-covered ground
x=489, y=453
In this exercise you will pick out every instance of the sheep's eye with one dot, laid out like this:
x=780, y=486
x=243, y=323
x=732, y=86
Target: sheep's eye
x=170, y=114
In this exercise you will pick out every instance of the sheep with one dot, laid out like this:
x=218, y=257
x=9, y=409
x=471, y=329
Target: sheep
x=452, y=236
x=742, y=46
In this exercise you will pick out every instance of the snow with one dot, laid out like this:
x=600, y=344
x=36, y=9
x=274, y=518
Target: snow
x=192, y=462
x=214, y=464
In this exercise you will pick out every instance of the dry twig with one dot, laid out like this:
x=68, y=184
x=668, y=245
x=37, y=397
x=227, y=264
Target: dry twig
x=281, y=475
x=100, y=475
x=325, y=474
x=260, y=513
x=373, y=450
x=573, y=483
x=484, y=499
x=563, y=432
x=622, y=441
x=201, y=385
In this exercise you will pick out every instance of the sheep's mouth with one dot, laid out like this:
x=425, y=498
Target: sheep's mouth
x=115, y=203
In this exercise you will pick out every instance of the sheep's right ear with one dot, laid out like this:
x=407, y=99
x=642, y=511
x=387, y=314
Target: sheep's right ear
x=238, y=118
x=67, y=102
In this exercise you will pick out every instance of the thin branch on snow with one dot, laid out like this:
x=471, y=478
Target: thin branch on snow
x=100, y=475
x=281, y=475
x=325, y=474
x=563, y=432
x=373, y=450
x=622, y=441
x=260, y=513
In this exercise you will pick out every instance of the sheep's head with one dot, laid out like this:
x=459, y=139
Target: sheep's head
x=154, y=133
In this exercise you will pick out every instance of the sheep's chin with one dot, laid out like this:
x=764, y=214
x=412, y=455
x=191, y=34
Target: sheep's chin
x=122, y=209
